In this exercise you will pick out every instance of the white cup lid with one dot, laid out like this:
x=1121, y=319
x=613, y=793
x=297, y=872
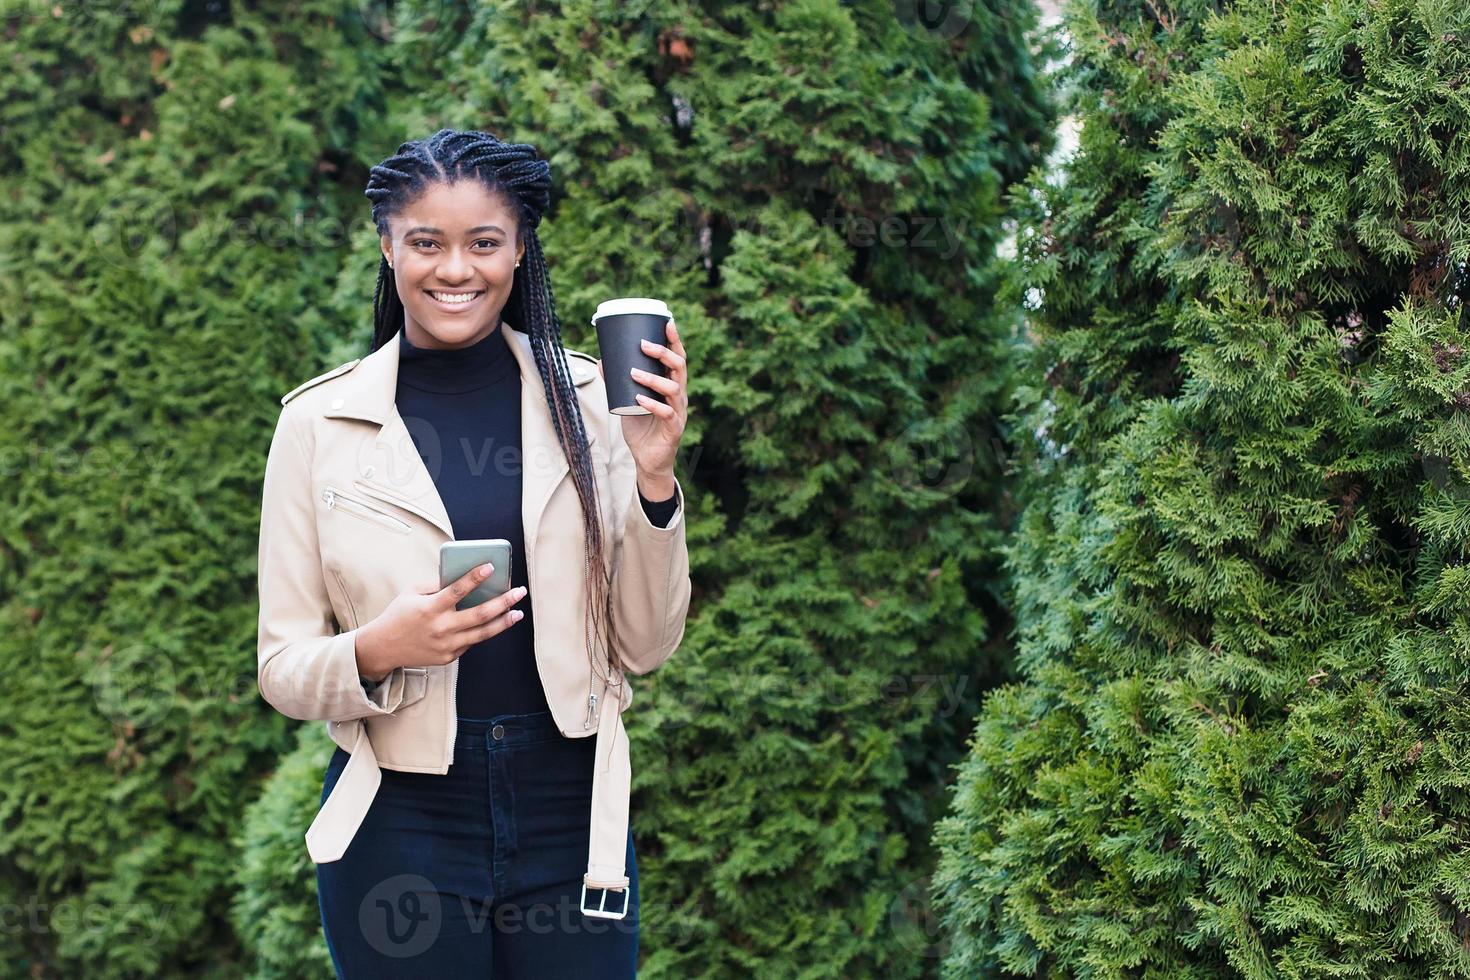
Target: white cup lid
x=631, y=304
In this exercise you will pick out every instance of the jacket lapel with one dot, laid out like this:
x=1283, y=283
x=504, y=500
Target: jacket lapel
x=389, y=466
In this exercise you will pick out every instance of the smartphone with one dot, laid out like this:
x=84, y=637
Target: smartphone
x=458, y=557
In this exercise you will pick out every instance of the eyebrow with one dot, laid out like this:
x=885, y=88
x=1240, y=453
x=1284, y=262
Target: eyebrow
x=425, y=229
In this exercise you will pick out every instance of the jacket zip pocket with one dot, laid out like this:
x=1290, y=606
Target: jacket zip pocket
x=335, y=499
x=347, y=598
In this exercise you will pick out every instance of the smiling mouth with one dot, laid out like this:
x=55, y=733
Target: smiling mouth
x=454, y=300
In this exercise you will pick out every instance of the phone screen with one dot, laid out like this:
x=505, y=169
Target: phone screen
x=458, y=557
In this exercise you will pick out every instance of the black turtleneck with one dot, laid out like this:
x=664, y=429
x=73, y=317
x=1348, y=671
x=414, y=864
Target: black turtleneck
x=463, y=409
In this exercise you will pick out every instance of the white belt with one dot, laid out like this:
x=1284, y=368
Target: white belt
x=337, y=821
x=612, y=782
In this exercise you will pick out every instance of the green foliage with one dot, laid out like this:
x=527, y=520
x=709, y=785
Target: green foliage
x=275, y=911
x=162, y=176
x=1239, y=745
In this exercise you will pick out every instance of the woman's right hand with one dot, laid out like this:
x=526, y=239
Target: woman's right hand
x=422, y=628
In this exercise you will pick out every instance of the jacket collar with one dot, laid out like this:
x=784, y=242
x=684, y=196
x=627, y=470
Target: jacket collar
x=367, y=393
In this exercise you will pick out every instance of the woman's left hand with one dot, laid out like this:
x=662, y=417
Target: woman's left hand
x=654, y=439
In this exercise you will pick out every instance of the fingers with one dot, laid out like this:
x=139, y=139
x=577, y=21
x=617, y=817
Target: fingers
x=657, y=408
x=673, y=334
x=674, y=358
x=490, y=617
x=674, y=387
x=465, y=584
x=668, y=386
x=497, y=625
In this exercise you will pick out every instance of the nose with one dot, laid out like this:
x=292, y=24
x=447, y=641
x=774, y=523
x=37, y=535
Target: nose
x=453, y=269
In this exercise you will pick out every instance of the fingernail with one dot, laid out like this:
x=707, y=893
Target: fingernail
x=486, y=569
x=516, y=615
x=520, y=591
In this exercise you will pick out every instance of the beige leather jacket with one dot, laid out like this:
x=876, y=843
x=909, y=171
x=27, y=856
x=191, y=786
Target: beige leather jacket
x=350, y=518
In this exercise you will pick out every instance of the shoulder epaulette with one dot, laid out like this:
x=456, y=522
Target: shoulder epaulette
x=340, y=369
x=581, y=375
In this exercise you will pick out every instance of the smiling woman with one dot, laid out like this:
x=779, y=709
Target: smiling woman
x=456, y=215
x=453, y=280
x=464, y=773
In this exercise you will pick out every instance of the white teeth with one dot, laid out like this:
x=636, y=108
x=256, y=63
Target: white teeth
x=455, y=298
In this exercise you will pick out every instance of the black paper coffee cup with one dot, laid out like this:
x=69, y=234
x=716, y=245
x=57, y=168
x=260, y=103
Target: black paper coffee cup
x=622, y=325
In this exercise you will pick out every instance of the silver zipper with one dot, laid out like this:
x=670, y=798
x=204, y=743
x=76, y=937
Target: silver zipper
x=592, y=679
x=453, y=709
x=592, y=674
x=334, y=498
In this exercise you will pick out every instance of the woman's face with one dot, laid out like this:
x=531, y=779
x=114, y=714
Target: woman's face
x=454, y=241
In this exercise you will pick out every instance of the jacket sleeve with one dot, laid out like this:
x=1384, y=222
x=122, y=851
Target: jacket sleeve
x=305, y=668
x=650, y=568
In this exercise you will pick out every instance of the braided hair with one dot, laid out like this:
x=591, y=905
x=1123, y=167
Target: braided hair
x=516, y=173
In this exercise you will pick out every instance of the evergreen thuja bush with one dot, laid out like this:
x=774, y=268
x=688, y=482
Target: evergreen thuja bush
x=167, y=170
x=1241, y=745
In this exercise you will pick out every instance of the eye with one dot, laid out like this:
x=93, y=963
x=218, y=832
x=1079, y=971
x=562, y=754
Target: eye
x=424, y=241
x=488, y=241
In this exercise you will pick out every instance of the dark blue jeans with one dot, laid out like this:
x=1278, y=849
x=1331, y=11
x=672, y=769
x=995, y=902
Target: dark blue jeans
x=478, y=872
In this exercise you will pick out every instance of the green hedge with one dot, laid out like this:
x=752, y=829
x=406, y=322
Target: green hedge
x=275, y=912
x=156, y=301
x=1240, y=744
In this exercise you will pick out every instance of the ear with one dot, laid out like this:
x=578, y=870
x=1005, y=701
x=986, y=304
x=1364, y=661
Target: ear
x=385, y=244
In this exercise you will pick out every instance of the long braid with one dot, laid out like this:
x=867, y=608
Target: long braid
x=516, y=172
